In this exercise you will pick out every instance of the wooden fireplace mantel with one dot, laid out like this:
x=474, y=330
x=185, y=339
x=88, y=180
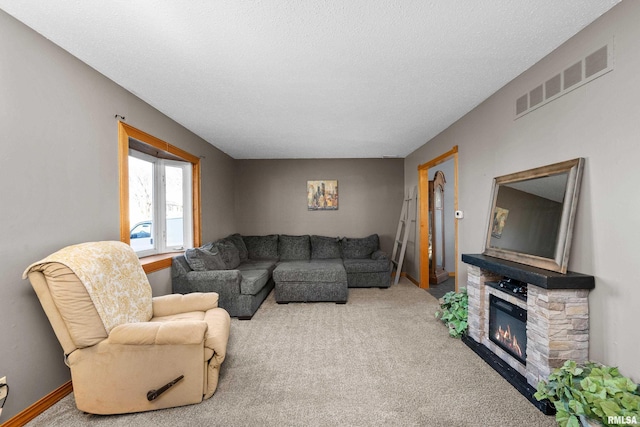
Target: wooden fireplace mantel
x=535, y=276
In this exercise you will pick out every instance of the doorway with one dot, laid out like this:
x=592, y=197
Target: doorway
x=448, y=164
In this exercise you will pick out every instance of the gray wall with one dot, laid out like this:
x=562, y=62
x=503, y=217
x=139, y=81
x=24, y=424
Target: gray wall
x=272, y=197
x=59, y=173
x=598, y=121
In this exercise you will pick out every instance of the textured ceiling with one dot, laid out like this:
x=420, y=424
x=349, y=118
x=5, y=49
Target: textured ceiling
x=310, y=78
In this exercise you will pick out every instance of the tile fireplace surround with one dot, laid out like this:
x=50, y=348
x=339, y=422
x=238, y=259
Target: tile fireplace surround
x=557, y=319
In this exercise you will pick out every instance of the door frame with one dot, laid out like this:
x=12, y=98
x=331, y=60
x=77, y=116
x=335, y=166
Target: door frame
x=423, y=192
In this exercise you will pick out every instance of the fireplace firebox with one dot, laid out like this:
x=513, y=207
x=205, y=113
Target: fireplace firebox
x=508, y=327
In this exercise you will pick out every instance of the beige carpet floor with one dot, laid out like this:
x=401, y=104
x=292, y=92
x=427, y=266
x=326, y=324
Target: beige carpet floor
x=380, y=359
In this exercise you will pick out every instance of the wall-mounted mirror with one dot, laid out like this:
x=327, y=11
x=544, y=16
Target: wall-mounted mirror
x=532, y=215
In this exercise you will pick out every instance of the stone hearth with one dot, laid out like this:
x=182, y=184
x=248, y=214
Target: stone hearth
x=557, y=316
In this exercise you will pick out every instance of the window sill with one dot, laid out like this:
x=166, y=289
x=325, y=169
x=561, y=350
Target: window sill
x=157, y=262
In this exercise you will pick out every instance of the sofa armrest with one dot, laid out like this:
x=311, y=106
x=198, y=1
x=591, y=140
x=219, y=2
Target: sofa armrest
x=168, y=305
x=224, y=282
x=159, y=333
x=377, y=255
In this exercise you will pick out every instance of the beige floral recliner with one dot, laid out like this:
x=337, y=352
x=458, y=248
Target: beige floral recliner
x=127, y=351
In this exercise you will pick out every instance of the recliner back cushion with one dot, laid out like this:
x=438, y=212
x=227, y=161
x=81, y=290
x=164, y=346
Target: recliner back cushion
x=360, y=248
x=74, y=304
x=262, y=247
x=293, y=248
x=325, y=247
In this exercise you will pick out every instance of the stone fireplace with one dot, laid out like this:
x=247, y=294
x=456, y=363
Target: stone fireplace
x=524, y=335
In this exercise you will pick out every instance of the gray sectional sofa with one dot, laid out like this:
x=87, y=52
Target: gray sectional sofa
x=244, y=269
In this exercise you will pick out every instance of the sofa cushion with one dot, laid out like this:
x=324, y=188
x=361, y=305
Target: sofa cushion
x=380, y=255
x=229, y=254
x=320, y=271
x=259, y=264
x=360, y=248
x=292, y=248
x=325, y=247
x=200, y=259
x=236, y=239
x=208, y=246
x=262, y=247
x=366, y=265
x=253, y=281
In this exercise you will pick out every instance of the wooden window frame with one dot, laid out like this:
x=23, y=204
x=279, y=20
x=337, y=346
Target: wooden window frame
x=125, y=133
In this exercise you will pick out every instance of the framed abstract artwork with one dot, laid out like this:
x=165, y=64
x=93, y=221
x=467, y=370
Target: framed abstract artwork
x=322, y=195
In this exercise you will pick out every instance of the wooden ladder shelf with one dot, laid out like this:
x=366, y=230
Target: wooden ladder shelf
x=407, y=221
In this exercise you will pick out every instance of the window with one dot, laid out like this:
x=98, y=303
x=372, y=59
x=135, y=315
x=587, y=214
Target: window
x=159, y=204
x=159, y=196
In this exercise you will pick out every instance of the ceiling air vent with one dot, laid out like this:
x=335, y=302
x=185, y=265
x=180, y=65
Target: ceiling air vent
x=579, y=73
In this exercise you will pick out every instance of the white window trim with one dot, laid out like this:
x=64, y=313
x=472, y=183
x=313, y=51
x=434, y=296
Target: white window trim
x=159, y=211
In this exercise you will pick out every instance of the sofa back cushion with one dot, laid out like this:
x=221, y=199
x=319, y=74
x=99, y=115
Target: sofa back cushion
x=360, y=248
x=236, y=239
x=229, y=253
x=294, y=248
x=201, y=259
x=325, y=247
x=262, y=247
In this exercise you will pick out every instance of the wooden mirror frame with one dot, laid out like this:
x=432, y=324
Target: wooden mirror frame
x=565, y=232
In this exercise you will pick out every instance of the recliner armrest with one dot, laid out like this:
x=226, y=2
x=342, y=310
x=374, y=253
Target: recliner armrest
x=159, y=333
x=168, y=305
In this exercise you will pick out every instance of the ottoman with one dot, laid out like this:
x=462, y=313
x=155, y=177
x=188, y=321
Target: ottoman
x=311, y=281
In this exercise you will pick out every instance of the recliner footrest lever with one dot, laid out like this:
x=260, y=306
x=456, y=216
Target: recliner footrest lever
x=154, y=394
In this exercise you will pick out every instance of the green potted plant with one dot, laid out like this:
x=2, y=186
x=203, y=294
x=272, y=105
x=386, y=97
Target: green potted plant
x=591, y=394
x=453, y=312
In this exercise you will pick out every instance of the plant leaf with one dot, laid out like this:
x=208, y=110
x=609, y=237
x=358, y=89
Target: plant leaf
x=610, y=408
x=588, y=384
x=576, y=407
x=573, y=421
x=562, y=417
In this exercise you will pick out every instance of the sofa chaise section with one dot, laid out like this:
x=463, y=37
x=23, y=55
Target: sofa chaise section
x=299, y=277
x=311, y=281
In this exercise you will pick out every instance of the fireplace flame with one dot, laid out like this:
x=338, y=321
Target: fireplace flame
x=510, y=341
